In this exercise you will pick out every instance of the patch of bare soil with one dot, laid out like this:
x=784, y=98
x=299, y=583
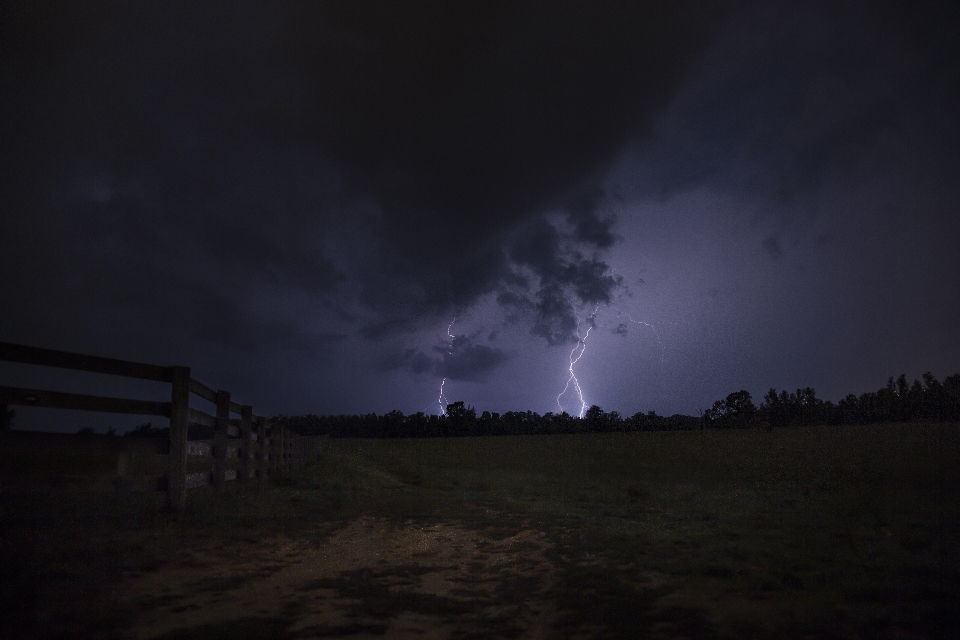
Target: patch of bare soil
x=376, y=578
x=369, y=578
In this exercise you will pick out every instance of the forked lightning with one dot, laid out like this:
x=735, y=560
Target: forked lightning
x=578, y=351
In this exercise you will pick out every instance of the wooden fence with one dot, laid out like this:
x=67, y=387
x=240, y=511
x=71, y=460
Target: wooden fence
x=260, y=447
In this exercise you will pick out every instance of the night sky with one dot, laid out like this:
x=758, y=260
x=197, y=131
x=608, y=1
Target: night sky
x=333, y=207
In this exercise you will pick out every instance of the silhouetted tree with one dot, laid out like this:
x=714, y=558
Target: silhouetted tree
x=595, y=418
x=773, y=410
x=807, y=406
x=740, y=407
x=392, y=425
x=736, y=410
x=461, y=419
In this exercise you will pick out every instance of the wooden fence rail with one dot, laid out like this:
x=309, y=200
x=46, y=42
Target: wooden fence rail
x=261, y=447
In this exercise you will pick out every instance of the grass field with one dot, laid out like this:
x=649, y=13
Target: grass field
x=823, y=532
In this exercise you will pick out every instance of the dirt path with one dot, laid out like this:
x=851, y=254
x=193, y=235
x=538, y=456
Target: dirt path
x=368, y=578
x=376, y=578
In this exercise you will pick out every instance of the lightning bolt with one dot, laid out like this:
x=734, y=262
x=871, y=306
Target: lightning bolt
x=442, y=400
x=575, y=354
x=652, y=328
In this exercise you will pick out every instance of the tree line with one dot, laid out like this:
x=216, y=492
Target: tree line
x=463, y=420
x=899, y=401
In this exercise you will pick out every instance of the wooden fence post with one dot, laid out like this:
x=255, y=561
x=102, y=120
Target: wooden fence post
x=246, y=424
x=288, y=449
x=284, y=451
x=269, y=450
x=179, y=419
x=282, y=458
x=261, y=448
x=294, y=452
x=220, y=439
x=274, y=449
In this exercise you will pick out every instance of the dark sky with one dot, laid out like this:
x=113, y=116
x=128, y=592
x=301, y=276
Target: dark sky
x=331, y=207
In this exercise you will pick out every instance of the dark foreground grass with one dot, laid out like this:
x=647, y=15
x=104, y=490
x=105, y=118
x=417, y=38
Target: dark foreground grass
x=850, y=532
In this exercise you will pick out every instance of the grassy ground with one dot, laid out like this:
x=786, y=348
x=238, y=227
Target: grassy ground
x=849, y=532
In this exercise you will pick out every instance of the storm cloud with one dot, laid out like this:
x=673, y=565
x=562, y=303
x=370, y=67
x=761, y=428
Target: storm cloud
x=461, y=358
x=307, y=192
x=250, y=130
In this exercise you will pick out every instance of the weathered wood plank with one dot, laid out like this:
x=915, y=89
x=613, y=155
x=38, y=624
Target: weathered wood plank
x=246, y=438
x=220, y=438
x=199, y=417
x=194, y=480
x=59, y=400
x=205, y=392
x=282, y=452
x=82, y=362
x=206, y=447
x=202, y=390
x=200, y=447
x=261, y=450
x=179, y=419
